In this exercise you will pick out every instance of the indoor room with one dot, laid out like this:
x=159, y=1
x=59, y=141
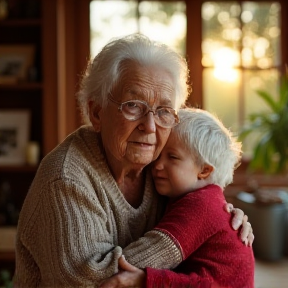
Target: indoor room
x=237, y=56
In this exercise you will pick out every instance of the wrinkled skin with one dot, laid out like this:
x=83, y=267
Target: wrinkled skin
x=131, y=145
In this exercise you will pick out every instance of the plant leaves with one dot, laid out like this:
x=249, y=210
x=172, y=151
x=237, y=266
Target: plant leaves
x=270, y=153
x=268, y=99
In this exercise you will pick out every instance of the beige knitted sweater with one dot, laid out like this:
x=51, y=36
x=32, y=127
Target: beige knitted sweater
x=75, y=222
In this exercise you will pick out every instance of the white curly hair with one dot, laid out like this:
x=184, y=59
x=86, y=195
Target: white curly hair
x=103, y=72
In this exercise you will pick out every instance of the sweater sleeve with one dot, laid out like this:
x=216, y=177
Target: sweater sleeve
x=188, y=223
x=183, y=228
x=66, y=212
x=170, y=279
x=155, y=249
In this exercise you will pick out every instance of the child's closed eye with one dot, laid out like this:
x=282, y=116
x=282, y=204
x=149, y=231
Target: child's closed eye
x=173, y=156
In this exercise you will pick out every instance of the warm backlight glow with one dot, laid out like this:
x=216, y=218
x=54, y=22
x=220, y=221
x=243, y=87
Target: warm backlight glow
x=225, y=59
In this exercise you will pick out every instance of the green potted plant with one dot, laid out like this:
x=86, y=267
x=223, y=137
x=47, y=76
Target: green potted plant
x=267, y=207
x=270, y=153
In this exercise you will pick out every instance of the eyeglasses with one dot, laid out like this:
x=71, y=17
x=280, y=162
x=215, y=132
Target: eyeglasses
x=133, y=110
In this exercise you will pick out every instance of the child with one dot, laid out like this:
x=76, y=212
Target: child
x=194, y=167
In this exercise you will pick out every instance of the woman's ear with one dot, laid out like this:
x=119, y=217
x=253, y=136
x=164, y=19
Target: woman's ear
x=94, y=117
x=205, y=172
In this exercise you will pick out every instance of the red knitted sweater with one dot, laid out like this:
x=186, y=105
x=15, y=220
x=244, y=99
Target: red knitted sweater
x=213, y=253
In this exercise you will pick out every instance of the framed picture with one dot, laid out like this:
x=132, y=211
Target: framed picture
x=14, y=136
x=15, y=61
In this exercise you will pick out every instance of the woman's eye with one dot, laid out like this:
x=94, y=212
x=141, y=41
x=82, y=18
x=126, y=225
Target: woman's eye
x=133, y=107
x=131, y=104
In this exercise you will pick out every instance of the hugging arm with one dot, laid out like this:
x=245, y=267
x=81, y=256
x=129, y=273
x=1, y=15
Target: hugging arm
x=71, y=235
x=131, y=276
x=159, y=258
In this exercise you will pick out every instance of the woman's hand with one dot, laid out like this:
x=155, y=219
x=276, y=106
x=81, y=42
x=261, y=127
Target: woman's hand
x=239, y=219
x=129, y=276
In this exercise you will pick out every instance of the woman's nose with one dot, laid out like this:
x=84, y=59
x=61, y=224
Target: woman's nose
x=148, y=123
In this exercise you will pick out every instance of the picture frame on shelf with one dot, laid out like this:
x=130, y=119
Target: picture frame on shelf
x=14, y=136
x=15, y=62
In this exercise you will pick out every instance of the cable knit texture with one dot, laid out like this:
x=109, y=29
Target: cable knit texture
x=212, y=251
x=75, y=220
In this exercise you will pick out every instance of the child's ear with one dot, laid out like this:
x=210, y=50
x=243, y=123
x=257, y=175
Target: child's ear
x=94, y=117
x=206, y=171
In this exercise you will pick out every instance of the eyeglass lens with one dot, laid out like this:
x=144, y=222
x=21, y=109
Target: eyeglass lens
x=134, y=110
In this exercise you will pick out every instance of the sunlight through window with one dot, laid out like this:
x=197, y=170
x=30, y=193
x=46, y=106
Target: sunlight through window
x=240, y=53
x=161, y=21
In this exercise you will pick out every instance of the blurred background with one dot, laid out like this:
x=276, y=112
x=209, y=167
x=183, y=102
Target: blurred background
x=237, y=52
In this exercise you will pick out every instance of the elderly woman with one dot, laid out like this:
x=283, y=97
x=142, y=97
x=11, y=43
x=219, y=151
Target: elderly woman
x=93, y=194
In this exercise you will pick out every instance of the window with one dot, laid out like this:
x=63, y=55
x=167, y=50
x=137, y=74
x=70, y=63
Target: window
x=240, y=54
x=232, y=47
x=162, y=21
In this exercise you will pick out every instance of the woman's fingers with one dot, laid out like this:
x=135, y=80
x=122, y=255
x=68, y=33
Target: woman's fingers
x=229, y=207
x=251, y=238
x=247, y=235
x=238, y=218
x=127, y=277
x=124, y=265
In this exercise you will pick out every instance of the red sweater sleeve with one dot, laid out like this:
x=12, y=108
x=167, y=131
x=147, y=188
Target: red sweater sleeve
x=165, y=278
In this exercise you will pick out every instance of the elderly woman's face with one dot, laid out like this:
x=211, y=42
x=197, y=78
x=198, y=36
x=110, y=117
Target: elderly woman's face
x=139, y=141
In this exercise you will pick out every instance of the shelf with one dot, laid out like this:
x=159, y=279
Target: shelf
x=7, y=256
x=20, y=22
x=22, y=86
x=7, y=242
x=20, y=168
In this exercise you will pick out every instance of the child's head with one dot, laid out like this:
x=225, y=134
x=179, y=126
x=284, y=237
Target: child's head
x=201, y=139
x=209, y=142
